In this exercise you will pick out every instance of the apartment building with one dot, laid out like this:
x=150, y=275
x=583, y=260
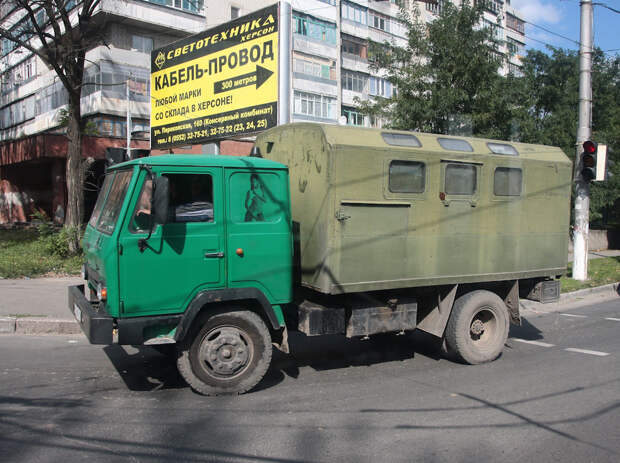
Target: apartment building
x=117, y=76
x=329, y=72
x=331, y=38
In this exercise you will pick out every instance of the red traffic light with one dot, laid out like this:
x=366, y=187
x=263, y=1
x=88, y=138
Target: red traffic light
x=589, y=147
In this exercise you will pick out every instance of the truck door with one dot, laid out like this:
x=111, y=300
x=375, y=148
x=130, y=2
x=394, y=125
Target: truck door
x=183, y=256
x=259, y=245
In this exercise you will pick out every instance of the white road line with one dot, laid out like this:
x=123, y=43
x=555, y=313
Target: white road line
x=574, y=315
x=536, y=343
x=585, y=351
x=613, y=319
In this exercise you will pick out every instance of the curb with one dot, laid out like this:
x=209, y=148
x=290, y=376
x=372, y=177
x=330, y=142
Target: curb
x=605, y=291
x=12, y=325
x=32, y=325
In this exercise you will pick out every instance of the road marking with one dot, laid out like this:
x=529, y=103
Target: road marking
x=574, y=315
x=613, y=319
x=536, y=343
x=585, y=351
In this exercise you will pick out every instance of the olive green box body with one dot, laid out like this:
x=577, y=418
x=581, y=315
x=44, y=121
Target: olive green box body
x=357, y=234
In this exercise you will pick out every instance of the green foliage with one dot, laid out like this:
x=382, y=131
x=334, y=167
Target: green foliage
x=550, y=116
x=55, y=240
x=90, y=128
x=24, y=253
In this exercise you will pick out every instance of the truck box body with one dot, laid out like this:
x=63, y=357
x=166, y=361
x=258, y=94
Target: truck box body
x=376, y=211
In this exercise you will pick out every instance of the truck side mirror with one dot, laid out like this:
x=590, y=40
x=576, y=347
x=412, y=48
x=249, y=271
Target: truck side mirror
x=160, y=200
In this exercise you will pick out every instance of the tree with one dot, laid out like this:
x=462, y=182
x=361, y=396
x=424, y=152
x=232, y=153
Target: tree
x=446, y=75
x=60, y=32
x=552, y=82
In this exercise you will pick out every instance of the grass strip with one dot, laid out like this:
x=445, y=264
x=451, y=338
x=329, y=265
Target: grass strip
x=24, y=254
x=601, y=272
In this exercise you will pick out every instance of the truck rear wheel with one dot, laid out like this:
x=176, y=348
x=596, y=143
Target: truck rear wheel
x=478, y=327
x=229, y=354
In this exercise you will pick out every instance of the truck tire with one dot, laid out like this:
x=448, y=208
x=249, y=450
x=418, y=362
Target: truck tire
x=478, y=327
x=229, y=354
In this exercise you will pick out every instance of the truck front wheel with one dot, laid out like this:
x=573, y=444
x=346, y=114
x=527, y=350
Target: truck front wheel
x=229, y=354
x=478, y=327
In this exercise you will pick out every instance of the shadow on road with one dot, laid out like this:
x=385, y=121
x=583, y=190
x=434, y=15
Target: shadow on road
x=142, y=368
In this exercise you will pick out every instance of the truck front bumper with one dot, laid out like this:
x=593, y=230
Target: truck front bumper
x=95, y=323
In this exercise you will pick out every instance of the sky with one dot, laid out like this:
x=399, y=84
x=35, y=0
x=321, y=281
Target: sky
x=562, y=17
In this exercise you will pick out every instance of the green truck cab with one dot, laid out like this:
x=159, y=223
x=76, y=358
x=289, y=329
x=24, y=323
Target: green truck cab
x=326, y=230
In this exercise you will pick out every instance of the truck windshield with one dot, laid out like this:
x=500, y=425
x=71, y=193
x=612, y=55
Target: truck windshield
x=110, y=200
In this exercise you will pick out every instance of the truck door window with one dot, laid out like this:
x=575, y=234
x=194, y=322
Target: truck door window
x=507, y=181
x=141, y=216
x=103, y=195
x=114, y=202
x=461, y=179
x=407, y=177
x=191, y=197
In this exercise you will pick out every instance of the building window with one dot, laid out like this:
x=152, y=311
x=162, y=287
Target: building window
x=142, y=43
x=355, y=48
x=494, y=6
x=515, y=23
x=193, y=6
x=355, y=13
x=379, y=21
x=514, y=47
x=314, y=28
x=380, y=87
x=353, y=116
x=435, y=7
x=496, y=30
x=354, y=81
x=514, y=69
x=234, y=12
x=310, y=104
x=313, y=68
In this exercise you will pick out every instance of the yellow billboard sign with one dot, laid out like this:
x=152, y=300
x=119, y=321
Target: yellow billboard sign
x=221, y=83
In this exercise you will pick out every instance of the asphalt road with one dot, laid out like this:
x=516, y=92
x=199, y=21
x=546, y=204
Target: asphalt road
x=383, y=400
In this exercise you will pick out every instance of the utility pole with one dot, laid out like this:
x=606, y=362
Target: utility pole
x=584, y=132
x=128, y=118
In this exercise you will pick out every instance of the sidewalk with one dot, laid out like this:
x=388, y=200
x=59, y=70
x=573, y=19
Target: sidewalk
x=39, y=305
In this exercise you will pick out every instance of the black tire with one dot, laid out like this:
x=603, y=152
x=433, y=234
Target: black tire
x=478, y=327
x=229, y=354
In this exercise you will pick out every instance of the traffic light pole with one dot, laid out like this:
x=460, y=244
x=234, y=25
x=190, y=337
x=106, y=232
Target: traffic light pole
x=584, y=132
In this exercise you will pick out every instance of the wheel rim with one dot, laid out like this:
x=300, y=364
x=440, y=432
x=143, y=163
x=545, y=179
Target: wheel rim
x=225, y=352
x=483, y=329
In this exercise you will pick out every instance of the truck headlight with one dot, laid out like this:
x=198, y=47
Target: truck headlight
x=102, y=292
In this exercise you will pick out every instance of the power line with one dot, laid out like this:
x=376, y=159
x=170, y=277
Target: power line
x=607, y=6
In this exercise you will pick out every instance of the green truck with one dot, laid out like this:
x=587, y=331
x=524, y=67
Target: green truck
x=324, y=230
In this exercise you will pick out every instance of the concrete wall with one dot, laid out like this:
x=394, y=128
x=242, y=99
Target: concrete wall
x=599, y=240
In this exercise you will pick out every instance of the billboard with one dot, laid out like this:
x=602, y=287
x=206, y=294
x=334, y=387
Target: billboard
x=221, y=83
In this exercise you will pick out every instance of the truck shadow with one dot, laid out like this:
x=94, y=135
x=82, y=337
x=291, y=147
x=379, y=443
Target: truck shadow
x=143, y=368
x=331, y=352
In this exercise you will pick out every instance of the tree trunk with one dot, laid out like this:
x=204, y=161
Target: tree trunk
x=75, y=178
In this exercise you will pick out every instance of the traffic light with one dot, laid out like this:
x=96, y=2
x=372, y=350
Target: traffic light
x=588, y=161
